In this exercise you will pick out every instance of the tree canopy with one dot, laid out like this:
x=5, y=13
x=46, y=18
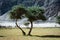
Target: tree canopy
x=17, y=12
x=35, y=13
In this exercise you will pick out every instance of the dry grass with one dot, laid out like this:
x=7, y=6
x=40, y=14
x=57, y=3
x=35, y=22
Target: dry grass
x=37, y=34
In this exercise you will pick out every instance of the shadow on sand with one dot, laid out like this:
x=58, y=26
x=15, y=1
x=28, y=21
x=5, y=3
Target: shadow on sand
x=2, y=36
x=50, y=36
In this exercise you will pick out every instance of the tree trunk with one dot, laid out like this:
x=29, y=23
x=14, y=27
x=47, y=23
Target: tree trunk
x=29, y=33
x=20, y=28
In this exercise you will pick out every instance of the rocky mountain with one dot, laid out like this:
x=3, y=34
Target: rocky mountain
x=5, y=17
x=52, y=6
x=5, y=5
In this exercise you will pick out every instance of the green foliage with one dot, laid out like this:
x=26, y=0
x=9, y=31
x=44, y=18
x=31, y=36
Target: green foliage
x=35, y=13
x=26, y=24
x=58, y=19
x=32, y=13
x=17, y=12
x=17, y=6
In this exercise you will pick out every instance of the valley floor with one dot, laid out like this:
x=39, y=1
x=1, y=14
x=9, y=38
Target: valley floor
x=37, y=34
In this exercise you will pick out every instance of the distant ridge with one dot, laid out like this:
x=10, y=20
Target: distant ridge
x=52, y=7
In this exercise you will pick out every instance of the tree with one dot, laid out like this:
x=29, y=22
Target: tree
x=17, y=13
x=34, y=13
x=58, y=19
